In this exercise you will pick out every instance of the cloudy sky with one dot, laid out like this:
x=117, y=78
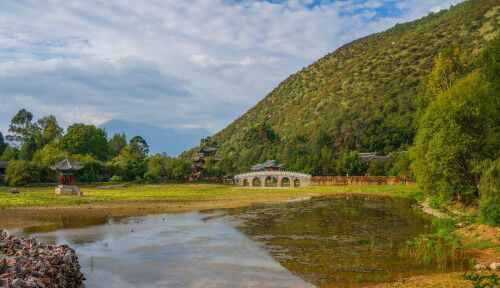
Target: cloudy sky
x=181, y=64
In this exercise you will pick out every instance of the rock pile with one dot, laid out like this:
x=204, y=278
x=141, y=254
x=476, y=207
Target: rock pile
x=27, y=263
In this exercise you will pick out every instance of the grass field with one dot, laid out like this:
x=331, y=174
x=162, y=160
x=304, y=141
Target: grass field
x=44, y=196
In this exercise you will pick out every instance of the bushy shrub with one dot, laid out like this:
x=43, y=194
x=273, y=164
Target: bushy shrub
x=21, y=172
x=489, y=194
x=116, y=178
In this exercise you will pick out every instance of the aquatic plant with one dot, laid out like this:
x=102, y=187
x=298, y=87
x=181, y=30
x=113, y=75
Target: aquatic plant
x=439, y=248
x=482, y=280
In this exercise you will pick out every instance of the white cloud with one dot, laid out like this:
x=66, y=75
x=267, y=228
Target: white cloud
x=175, y=63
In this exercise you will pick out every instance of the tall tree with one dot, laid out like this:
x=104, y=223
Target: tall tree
x=118, y=142
x=21, y=127
x=3, y=144
x=139, y=146
x=457, y=132
x=51, y=131
x=86, y=140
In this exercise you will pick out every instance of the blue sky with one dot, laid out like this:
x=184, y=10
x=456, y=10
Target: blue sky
x=179, y=64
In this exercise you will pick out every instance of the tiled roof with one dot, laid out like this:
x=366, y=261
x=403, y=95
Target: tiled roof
x=266, y=165
x=67, y=165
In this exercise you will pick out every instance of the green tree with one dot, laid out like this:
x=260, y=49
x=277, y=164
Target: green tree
x=10, y=153
x=157, y=167
x=21, y=172
x=378, y=168
x=457, y=132
x=25, y=133
x=21, y=127
x=118, y=142
x=139, y=146
x=50, y=129
x=489, y=194
x=128, y=165
x=178, y=169
x=349, y=163
x=50, y=154
x=3, y=144
x=86, y=140
x=226, y=166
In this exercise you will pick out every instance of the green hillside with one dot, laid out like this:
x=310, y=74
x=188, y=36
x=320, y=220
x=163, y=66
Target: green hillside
x=360, y=97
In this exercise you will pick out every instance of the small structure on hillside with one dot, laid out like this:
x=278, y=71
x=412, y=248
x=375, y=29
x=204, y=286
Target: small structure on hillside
x=200, y=159
x=372, y=156
x=67, y=180
x=269, y=165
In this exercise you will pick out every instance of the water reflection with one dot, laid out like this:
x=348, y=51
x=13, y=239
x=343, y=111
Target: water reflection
x=337, y=242
x=180, y=250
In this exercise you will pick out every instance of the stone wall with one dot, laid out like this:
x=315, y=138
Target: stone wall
x=358, y=180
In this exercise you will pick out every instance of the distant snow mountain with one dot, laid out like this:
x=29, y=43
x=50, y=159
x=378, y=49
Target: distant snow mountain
x=171, y=141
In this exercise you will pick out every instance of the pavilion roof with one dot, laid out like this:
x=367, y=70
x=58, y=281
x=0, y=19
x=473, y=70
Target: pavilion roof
x=67, y=165
x=206, y=149
x=266, y=165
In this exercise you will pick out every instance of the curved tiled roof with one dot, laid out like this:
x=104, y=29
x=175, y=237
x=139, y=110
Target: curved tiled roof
x=67, y=165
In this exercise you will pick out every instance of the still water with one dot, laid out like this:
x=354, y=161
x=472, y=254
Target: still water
x=328, y=242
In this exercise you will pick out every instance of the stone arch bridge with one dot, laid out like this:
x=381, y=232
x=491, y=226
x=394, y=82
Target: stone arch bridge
x=273, y=179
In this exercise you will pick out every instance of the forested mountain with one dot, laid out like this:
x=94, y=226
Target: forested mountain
x=360, y=97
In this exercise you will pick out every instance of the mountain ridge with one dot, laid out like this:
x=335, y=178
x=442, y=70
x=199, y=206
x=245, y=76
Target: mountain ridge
x=362, y=94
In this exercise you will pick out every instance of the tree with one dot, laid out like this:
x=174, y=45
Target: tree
x=157, y=167
x=10, y=153
x=226, y=166
x=117, y=143
x=456, y=133
x=21, y=127
x=49, y=155
x=128, y=165
x=489, y=194
x=449, y=66
x=21, y=172
x=50, y=129
x=3, y=144
x=86, y=140
x=25, y=133
x=139, y=146
x=349, y=163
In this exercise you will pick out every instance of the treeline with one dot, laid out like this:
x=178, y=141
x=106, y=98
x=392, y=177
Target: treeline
x=315, y=154
x=33, y=146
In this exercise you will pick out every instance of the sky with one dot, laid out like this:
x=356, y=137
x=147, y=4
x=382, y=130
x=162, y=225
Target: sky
x=177, y=64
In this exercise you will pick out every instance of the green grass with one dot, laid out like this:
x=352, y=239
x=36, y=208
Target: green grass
x=44, y=196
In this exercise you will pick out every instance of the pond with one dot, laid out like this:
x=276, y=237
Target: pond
x=326, y=242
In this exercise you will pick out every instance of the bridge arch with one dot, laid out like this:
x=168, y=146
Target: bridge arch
x=285, y=182
x=273, y=179
x=296, y=182
x=256, y=182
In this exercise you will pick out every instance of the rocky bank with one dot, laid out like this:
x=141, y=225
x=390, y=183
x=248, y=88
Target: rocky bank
x=28, y=263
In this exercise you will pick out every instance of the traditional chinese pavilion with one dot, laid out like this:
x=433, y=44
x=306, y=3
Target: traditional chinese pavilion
x=67, y=180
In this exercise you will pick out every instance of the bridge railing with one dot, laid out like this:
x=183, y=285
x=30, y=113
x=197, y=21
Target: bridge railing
x=273, y=173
